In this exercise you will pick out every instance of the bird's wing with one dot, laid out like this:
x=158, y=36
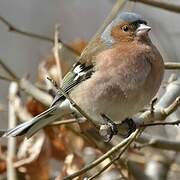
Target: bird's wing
x=81, y=70
x=78, y=73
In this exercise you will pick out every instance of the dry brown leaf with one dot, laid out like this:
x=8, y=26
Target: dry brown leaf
x=78, y=45
x=2, y=159
x=72, y=164
x=33, y=158
x=2, y=166
x=34, y=107
x=63, y=142
x=59, y=142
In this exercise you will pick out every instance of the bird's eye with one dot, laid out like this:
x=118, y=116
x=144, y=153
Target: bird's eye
x=125, y=28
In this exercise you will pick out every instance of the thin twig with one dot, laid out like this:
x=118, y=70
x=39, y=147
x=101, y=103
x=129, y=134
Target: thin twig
x=78, y=108
x=5, y=78
x=56, y=50
x=25, y=33
x=160, y=4
x=137, y=133
x=73, y=103
x=140, y=146
x=35, y=92
x=62, y=122
x=54, y=83
x=172, y=65
x=29, y=88
x=102, y=158
x=9, y=71
x=172, y=107
x=14, y=29
x=160, y=124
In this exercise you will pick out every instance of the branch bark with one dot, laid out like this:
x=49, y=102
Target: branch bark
x=160, y=4
x=11, y=152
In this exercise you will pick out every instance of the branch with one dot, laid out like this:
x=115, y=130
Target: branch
x=137, y=133
x=72, y=102
x=14, y=29
x=57, y=48
x=9, y=72
x=172, y=65
x=104, y=156
x=160, y=4
x=11, y=152
x=78, y=108
x=160, y=143
x=62, y=122
x=36, y=93
x=29, y=88
x=161, y=123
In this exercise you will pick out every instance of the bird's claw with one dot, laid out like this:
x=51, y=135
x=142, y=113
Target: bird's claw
x=108, y=129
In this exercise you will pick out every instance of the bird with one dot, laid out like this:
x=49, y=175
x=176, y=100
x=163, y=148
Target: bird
x=118, y=76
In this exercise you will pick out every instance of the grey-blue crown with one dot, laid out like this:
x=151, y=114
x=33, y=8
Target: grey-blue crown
x=130, y=17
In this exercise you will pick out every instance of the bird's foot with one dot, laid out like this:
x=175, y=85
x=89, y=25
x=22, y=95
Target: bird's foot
x=126, y=127
x=108, y=129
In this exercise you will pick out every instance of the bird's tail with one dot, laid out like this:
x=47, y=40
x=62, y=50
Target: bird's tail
x=31, y=127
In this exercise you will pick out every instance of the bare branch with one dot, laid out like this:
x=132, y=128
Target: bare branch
x=160, y=143
x=29, y=88
x=62, y=122
x=78, y=108
x=9, y=71
x=14, y=29
x=161, y=123
x=160, y=4
x=36, y=93
x=57, y=48
x=104, y=156
x=19, y=31
x=172, y=65
x=11, y=172
x=137, y=133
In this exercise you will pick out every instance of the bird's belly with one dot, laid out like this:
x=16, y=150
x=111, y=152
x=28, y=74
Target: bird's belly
x=99, y=98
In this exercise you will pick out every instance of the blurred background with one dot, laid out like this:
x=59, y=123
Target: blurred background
x=78, y=19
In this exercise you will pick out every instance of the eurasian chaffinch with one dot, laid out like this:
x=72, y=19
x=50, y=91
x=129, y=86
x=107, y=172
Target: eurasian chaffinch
x=120, y=75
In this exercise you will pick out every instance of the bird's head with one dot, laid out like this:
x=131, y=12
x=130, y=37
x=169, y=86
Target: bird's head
x=126, y=26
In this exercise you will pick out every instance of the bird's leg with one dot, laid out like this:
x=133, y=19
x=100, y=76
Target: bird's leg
x=127, y=126
x=108, y=129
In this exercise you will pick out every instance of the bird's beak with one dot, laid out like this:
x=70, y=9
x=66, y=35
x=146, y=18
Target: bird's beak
x=142, y=29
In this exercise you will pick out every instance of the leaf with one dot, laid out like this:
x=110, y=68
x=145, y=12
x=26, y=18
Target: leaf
x=72, y=164
x=34, y=107
x=33, y=158
x=2, y=159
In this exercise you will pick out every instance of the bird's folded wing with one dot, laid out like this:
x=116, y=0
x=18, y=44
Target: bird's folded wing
x=79, y=73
